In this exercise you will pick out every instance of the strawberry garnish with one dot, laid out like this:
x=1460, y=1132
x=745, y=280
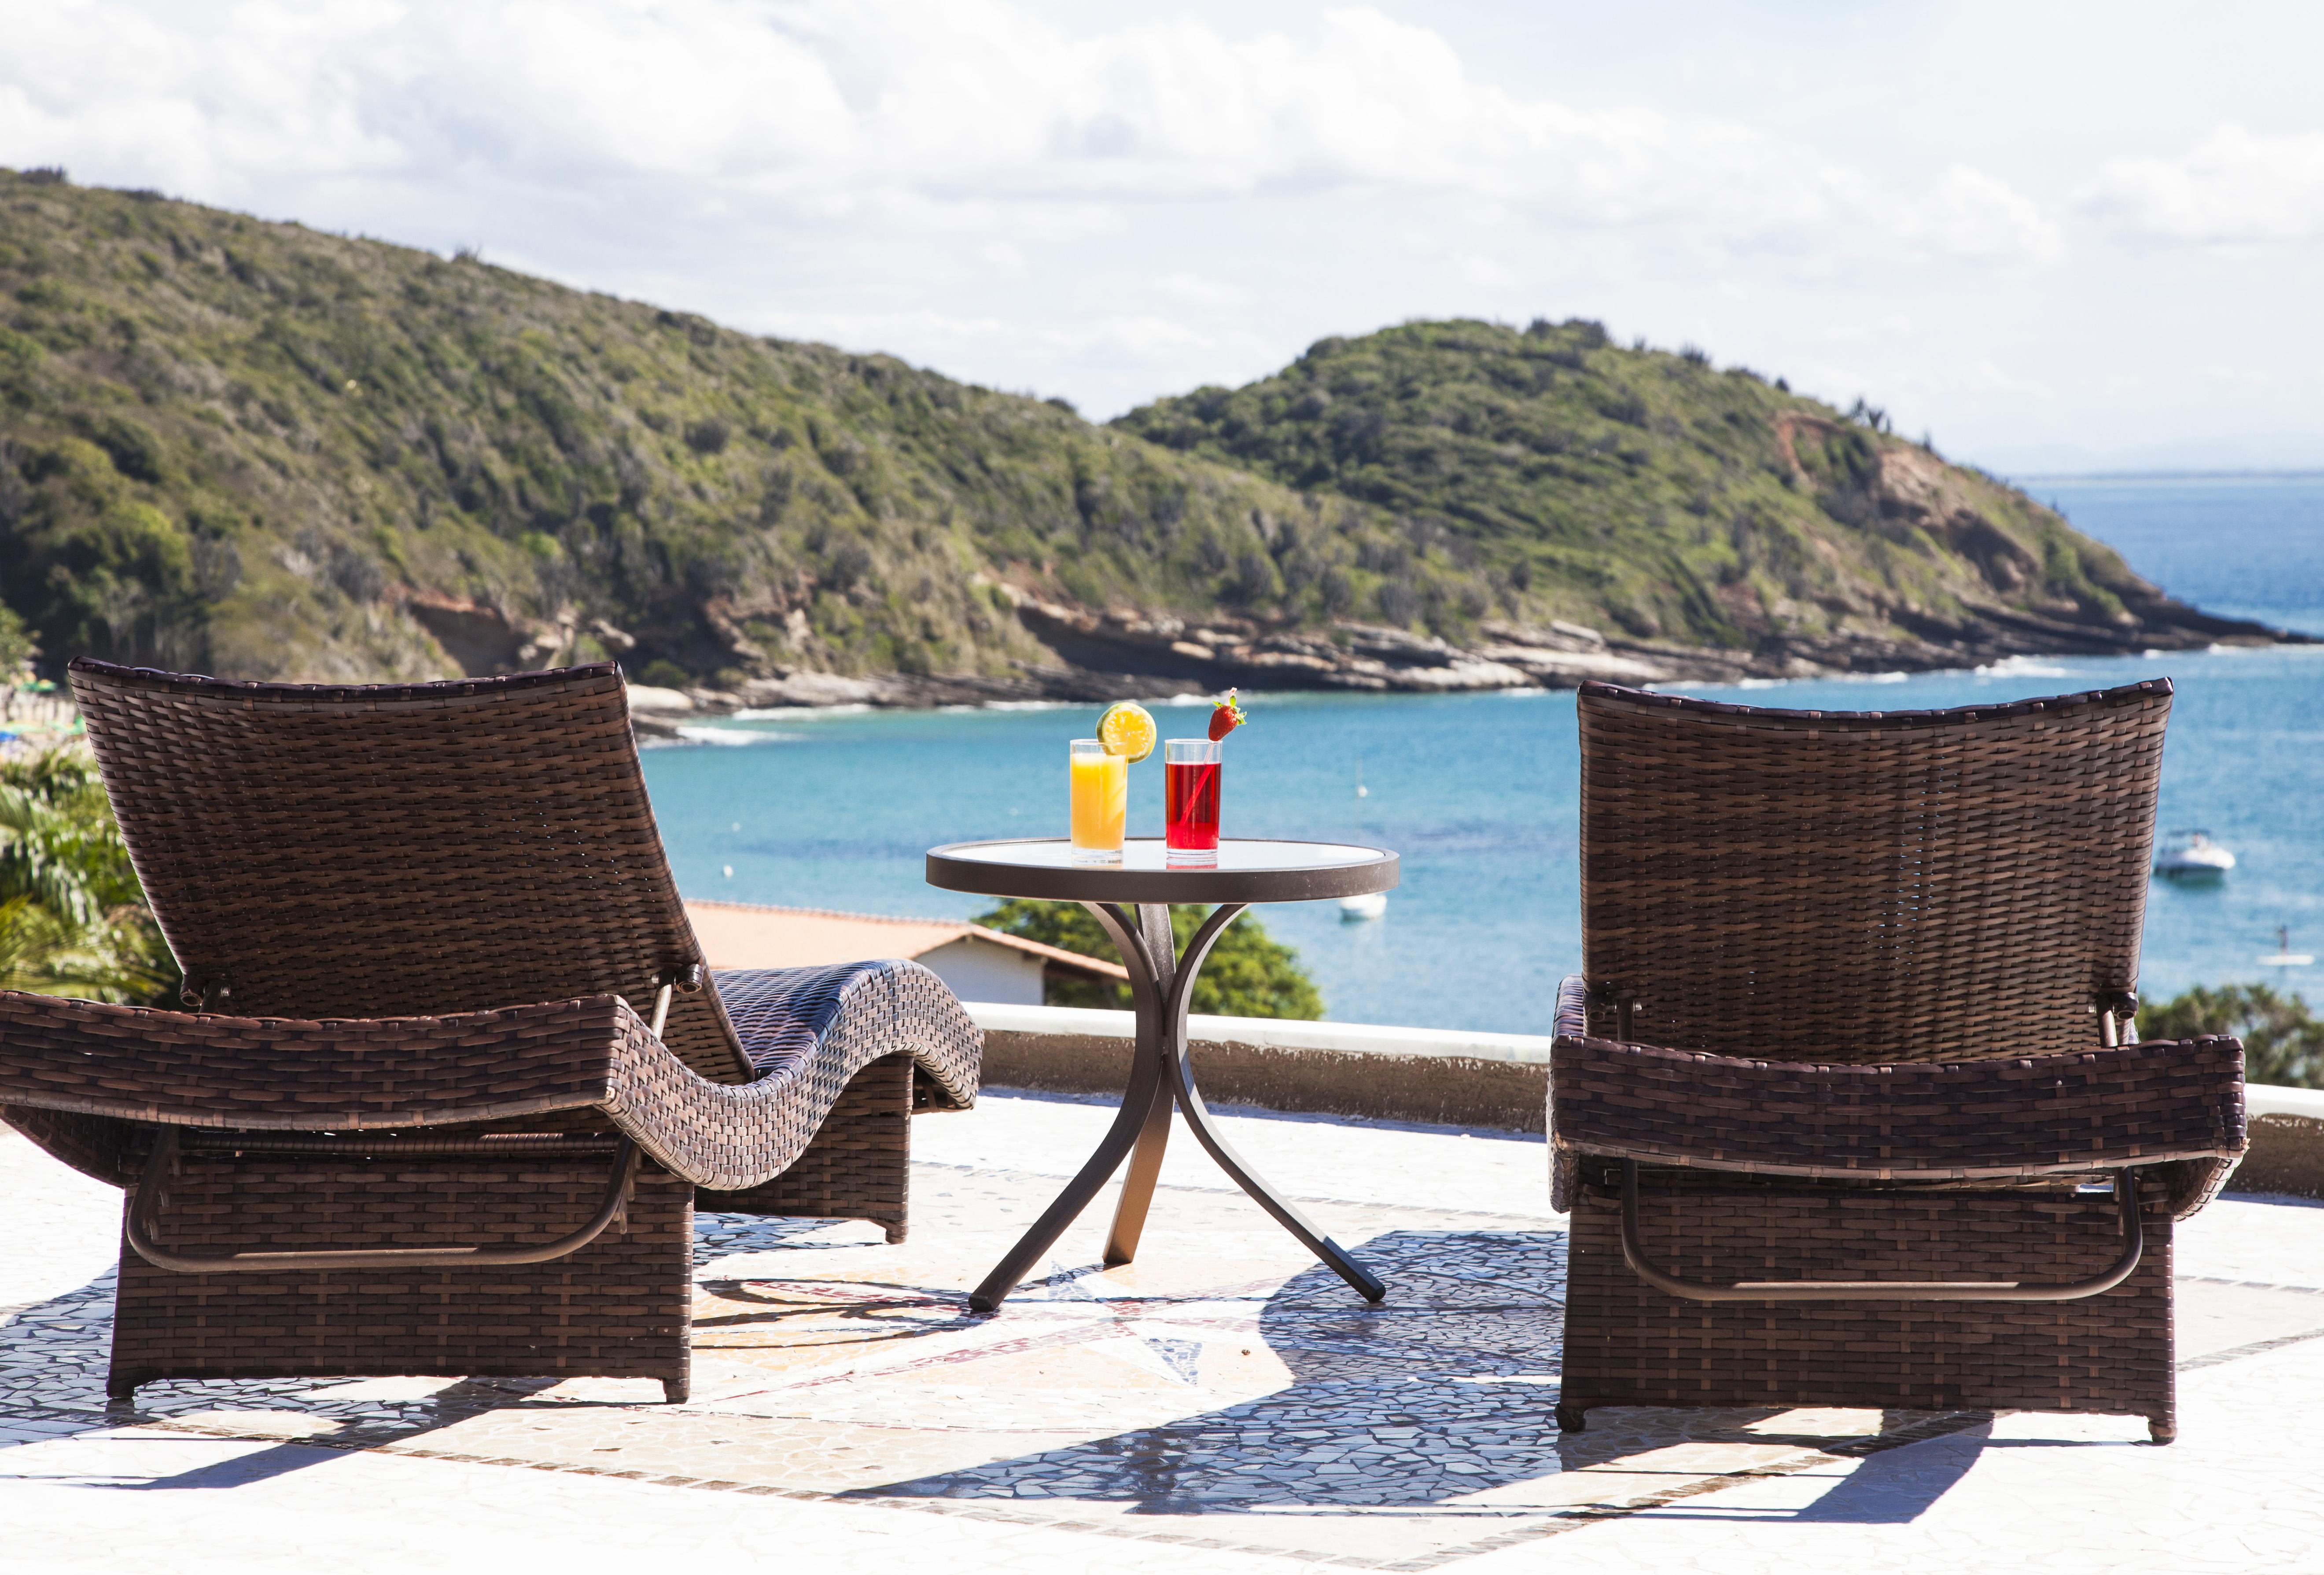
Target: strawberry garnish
x=1226, y=717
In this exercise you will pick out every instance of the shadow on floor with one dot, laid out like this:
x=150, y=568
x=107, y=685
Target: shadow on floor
x=1439, y=1401
x=1443, y=1399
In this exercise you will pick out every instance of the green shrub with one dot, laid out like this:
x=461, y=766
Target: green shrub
x=18, y=645
x=661, y=673
x=2283, y=1041
x=1249, y=973
x=73, y=919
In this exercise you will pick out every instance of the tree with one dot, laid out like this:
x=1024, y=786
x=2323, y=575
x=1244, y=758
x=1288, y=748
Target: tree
x=2283, y=1041
x=73, y=920
x=1249, y=974
x=17, y=647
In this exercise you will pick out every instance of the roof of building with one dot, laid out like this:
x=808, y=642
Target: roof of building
x=742, y=934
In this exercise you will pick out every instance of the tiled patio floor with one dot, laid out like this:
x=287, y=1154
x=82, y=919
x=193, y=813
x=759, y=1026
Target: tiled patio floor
x=1222, y=1403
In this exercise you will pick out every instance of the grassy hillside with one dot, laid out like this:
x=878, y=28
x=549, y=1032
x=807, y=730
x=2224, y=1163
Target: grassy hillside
x=1648, y=490
x=253, y=449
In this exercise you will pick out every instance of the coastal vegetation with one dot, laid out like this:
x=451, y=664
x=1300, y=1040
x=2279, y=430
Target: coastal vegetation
x=263, y=451
x=1249, y=973
x=1647, y=492
x=2284, y=1039
x=73, y=920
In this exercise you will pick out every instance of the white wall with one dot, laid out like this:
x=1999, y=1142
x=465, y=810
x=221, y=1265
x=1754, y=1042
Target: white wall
x=979, y=971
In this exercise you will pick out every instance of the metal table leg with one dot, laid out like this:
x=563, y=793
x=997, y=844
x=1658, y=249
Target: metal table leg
x=1154, y=938
x=1198, y=1115
x=1150, y=1088
x=1161, y=987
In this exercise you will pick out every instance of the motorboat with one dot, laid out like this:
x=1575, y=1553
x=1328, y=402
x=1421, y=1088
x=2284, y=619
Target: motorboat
x=2192, y=854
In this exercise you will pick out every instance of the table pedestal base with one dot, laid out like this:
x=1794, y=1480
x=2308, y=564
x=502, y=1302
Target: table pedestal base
x=1161, y=985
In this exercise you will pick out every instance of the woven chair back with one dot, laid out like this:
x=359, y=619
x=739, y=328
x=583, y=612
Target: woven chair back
x=1857, y=888
x=400, y=849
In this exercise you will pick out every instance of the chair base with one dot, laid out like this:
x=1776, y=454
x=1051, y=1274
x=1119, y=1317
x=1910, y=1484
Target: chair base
x=1629, y=1344
x=618, y=1308
x=859, y=1167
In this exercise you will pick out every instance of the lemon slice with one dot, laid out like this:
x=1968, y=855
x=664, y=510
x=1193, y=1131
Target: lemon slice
x=1127, y=729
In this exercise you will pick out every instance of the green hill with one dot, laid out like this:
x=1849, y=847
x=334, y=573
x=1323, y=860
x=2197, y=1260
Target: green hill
x=1672, y=500
x=258, y=450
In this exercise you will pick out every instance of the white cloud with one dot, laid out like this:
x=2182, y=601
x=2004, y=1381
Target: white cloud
x=1974, y=217
x=973, y=110
x=2236, y=185
x=1117, y=200
x=1145, y=337
x=1886, y=326
x=1200, y=290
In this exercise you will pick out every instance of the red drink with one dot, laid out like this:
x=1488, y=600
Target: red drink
x=1190, y=795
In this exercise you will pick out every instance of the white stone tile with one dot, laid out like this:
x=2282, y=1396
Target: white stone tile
x=61, y=1228
x=2269, y=1241
x=2064, y=1496
x=137, y=1498
x=1219, y=1391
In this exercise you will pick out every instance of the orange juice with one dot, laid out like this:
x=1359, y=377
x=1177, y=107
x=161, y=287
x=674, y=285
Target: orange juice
x=1100, y=802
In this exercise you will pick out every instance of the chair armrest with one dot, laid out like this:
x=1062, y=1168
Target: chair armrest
x=1994, y=1119
x=1572, y=1021
x=1573, y=1017
x=810, y=1031
x=83, y=1060
x=203, y=1069
x=783, y=1016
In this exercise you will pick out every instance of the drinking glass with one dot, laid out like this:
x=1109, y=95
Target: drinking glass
x=1100, y=802
x=1190, y=801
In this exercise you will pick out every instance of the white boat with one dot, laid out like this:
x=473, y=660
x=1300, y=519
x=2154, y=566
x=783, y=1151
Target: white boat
x=2193, y=853
x=1370, y=905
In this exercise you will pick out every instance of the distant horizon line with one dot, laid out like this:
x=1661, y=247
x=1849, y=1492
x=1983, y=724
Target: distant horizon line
x=2253, y=474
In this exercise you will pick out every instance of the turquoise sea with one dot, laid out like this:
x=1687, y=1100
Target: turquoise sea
x=1478, y=791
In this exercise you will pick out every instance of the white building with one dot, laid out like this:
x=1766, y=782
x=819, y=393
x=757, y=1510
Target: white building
x=979, y=964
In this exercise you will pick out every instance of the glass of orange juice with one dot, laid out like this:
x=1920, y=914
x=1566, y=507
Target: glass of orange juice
x=1100, y=802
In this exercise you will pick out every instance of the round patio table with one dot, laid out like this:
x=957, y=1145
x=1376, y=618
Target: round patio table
x=1131, y=900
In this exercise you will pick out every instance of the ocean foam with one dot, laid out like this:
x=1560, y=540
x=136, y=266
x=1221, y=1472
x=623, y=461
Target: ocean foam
x=736, y=737
x=2023, y=666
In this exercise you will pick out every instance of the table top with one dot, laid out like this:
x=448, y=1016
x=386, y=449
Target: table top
x=1248, y=869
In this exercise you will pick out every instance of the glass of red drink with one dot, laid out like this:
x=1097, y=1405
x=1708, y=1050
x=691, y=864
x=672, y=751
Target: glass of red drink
x=1190, y=801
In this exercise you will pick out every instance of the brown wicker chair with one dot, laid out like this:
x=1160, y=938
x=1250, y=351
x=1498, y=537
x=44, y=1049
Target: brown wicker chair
x=413, y=1123
x=1851, y=1015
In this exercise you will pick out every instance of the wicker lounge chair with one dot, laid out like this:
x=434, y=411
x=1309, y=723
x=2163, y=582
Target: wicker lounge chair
x=1855, y=1010
x=450, y=1087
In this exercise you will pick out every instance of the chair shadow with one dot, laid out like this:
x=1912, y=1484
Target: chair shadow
x=1893, y=1488
x=1441, y=1400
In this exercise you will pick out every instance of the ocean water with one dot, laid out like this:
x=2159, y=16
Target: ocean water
x=1478, y=792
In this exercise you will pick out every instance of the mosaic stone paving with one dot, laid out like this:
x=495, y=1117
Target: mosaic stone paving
x=1223, y=1391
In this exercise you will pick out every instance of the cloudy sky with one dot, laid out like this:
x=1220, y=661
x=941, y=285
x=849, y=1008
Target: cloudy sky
x=2055, y=237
